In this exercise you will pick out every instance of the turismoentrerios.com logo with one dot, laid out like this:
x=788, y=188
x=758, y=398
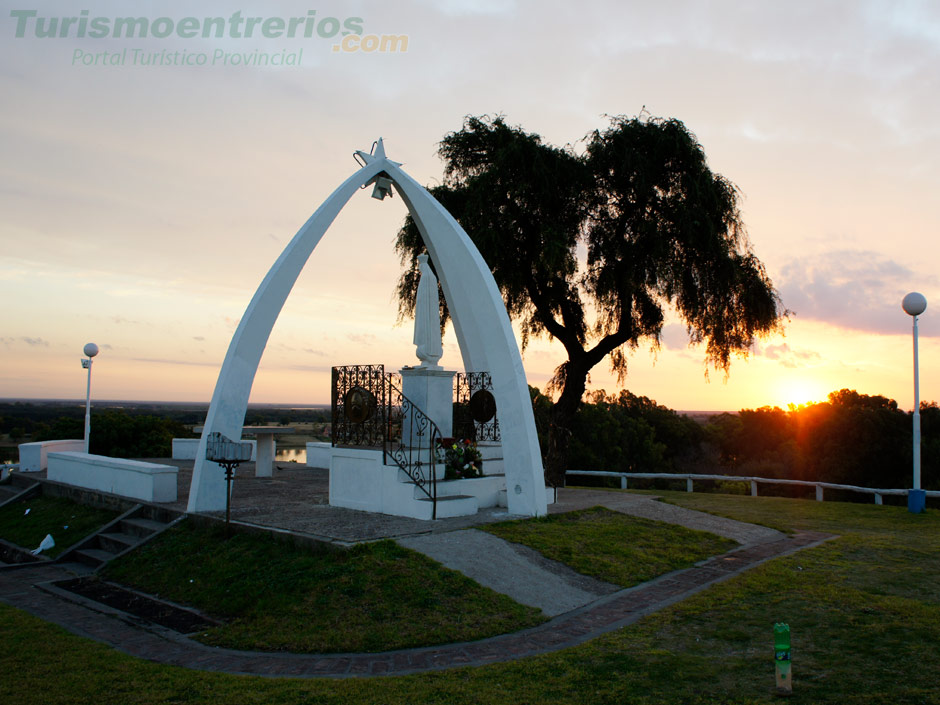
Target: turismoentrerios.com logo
x=348, y=32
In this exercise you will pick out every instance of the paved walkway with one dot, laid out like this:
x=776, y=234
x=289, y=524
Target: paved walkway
x=530, y=578
x=518, y=571
x=23, y=588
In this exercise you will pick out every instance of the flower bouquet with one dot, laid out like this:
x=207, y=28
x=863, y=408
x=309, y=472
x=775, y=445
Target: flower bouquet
x=462, y=459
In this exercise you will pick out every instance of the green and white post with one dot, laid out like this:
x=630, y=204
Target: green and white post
x=782, y=659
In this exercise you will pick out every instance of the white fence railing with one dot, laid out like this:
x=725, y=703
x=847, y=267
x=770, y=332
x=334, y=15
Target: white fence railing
x=754, y=481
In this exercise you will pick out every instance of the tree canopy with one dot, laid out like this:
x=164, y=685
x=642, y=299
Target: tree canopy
x=591, y=248
x=852, y=438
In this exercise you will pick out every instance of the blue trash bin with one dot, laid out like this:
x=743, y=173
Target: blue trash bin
x=916, y=501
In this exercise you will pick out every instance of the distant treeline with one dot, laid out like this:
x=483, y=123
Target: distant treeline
x=143, y=430
x=851, y=438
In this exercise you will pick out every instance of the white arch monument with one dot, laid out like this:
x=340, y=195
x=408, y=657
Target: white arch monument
x=480, y=321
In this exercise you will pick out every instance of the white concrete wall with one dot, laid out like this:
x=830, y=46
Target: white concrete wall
x=34, y=456
x=128, y=478
x=356, y=479
x=318, y=454
x=360, y=480
x=186, y=448
x=492, y=455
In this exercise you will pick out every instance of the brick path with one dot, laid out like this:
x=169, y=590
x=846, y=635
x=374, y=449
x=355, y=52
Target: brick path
x=18, y=587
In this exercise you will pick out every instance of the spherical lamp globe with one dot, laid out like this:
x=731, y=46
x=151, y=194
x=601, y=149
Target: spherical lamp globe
x=91, y=349
x=914, y=304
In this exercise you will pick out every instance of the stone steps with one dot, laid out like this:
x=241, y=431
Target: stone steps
x=141, y=526
x=93, y=557
x=455, y=505
x=17, y=487
x=123, y=534
x=8, y=492
x=116, y=543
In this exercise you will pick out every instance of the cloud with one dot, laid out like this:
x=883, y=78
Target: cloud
x=120, y=320
x=788, y=357
x=311, y=351
x=361, y=338
x=200, y=338
x=308, y=368
x=35, y=342
x=463, y=8
x=774, y=352
x=163, y=361
x=857, y=290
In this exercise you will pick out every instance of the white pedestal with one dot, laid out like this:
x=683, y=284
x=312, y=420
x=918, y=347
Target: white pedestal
x=264, y=463
x=432, y=391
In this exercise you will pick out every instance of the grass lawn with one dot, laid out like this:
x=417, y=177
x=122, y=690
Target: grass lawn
x=610, y=546
x=375, y=597
x=864, y=611
x=66, y=521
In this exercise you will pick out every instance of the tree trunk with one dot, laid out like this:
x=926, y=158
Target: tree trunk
x=561, y=421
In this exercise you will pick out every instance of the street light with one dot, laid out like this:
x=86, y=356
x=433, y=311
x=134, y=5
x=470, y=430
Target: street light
x=915, y=304
x=90, y=350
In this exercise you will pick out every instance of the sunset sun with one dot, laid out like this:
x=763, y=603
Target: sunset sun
x=797, y=391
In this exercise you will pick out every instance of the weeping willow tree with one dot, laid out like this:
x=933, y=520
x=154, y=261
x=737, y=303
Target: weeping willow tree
x=591, y=249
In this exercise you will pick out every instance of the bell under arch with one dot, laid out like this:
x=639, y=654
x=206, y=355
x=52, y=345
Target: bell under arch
x=481, y=323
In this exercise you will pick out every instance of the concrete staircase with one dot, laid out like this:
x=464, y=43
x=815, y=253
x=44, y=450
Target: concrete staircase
x=455, y=498
x=17, y=486
x=413, y=501
x=8, y=492
x=128, y=531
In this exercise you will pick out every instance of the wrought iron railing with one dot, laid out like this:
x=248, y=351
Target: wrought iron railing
x=359, y=403
x=412, y=441
x=475, y=407
x=369, y=410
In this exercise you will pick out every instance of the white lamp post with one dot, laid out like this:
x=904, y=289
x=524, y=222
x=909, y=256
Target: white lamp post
x=90, y=350
x=915, y=304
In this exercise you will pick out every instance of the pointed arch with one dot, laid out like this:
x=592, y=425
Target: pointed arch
x=484, y=335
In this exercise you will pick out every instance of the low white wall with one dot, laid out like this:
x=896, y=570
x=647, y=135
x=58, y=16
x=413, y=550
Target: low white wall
x=185, y=449
x=318, y=454
x=34, y=456
x=356, y=479
x=360, y=480
x=128, y=478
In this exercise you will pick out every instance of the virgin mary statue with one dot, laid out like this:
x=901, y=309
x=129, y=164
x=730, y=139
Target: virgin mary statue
x=427, y=317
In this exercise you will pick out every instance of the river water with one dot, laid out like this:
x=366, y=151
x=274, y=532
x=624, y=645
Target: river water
x=296, y=455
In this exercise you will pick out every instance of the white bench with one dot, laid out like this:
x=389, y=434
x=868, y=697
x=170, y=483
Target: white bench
x=128, y=478
x=34, y=456
x=185, y=448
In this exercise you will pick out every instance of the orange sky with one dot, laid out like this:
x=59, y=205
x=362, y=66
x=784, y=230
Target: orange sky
x=142, y=206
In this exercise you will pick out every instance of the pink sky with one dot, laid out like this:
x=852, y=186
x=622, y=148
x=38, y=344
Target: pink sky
x=142, y=205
